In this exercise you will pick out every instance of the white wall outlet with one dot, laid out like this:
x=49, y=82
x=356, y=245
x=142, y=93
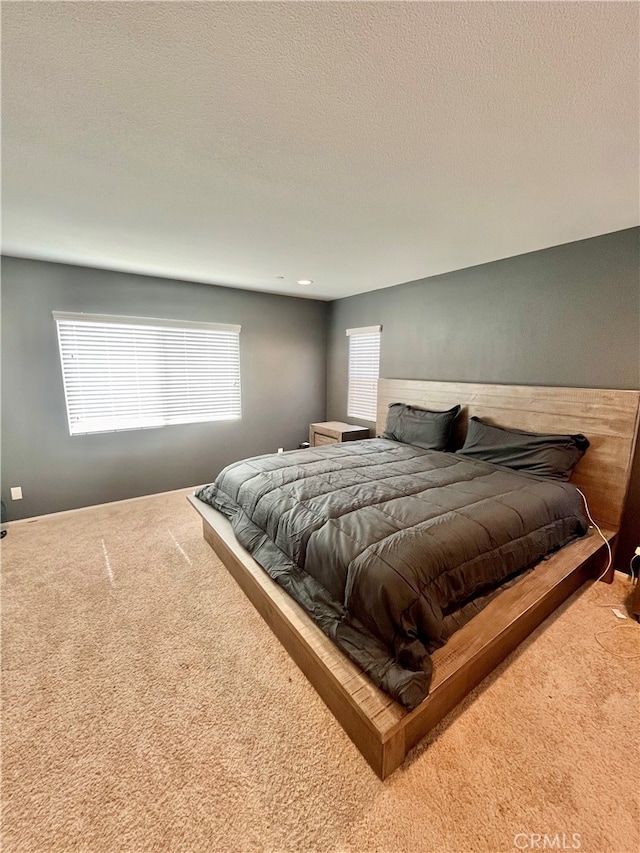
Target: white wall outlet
x=281, y=450
x=16, y=493
x=638, y=551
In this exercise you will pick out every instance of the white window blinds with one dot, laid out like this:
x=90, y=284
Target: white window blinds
x=364, y=367
x=137, y=372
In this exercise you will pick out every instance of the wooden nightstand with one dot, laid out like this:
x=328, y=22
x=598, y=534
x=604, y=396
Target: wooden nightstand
x=333, y=432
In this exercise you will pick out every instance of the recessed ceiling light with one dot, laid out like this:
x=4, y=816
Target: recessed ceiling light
x=305, y=281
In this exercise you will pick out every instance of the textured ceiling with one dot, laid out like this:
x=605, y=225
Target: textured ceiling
x=356, y=144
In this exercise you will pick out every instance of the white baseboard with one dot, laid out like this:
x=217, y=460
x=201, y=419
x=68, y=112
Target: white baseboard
x=31, y=519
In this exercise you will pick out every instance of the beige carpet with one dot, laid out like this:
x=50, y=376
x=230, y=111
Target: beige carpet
x=147, y=707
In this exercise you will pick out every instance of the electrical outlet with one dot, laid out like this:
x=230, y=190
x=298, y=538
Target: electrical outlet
x=281, y=450
x=638, y=551
x=16, y=493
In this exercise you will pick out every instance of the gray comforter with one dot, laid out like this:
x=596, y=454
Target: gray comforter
x=389, y=547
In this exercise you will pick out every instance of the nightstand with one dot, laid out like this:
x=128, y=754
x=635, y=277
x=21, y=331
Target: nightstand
x=333, y=432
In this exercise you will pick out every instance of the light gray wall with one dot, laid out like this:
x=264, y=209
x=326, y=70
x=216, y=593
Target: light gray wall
x=283, y=366
x=569, y=315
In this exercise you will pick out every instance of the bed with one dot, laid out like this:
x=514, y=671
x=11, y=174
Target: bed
x=384, y=726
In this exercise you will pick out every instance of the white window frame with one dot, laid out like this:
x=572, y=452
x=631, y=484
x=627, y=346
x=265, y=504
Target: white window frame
x=129, y=373
x=364, y=372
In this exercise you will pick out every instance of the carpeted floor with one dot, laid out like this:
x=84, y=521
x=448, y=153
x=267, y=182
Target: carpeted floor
x=147, y=707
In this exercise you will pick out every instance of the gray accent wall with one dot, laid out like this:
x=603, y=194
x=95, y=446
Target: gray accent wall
x=569, y=315
x=283, y=368
x=565, y=316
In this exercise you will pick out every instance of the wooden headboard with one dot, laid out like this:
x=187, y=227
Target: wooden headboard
x=608, y=418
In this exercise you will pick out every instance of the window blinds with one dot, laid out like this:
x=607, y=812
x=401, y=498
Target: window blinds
x=135, y=372
x=364, y=367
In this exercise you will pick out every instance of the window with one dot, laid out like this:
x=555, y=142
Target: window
x=364, y=366
x=138, y=372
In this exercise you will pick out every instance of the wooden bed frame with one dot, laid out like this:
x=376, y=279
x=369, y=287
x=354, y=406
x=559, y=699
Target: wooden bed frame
x=382, y=729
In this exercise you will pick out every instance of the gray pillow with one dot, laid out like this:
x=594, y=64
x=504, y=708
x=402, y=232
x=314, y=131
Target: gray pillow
x=553, y=456
x=420, y=427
